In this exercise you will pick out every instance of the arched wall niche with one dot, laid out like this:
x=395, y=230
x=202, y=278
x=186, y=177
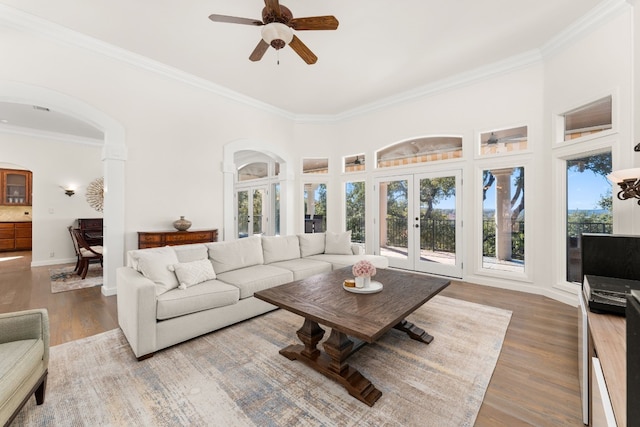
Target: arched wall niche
x=113, y=158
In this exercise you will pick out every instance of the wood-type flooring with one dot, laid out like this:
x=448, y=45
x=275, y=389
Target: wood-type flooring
x=535, y=381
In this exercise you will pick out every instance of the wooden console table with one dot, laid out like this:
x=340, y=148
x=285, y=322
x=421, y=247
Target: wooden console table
x=155, y=239
x=609, y=342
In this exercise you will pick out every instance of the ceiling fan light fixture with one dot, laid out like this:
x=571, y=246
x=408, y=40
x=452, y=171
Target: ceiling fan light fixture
x=277, y=34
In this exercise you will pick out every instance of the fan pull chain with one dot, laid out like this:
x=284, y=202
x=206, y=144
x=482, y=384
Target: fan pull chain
x=278, y=56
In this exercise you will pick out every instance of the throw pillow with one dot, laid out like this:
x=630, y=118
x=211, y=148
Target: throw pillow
x=311, y=244
x=153, y=265
x=338, y=243
x=194, y=272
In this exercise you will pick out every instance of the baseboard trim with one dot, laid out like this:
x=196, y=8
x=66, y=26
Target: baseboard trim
x=53, y=262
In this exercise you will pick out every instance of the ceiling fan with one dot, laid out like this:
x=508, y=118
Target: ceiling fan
x=350, y=161
x=494, y=139
x=278, y=24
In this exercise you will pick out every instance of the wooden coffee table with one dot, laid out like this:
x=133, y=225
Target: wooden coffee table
x=362, y=318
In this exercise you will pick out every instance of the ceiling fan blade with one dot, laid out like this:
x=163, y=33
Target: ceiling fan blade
x=314, y=23
x=273, y=6
x=235, y=20
x=302, y=50
x=259, y=51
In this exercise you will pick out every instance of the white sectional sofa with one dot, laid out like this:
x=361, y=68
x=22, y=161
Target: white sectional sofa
x=171, y=294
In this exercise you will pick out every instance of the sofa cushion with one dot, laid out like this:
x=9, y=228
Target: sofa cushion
x=256, y=278
x=18, y=361
x=193, y=252
x=304, y=267
x=340, y=261
x=338, y=243
x=235, y=254
x=280, y=248
x=311, y=244
x=203, y=296
x=154, y=265
x=192, y=273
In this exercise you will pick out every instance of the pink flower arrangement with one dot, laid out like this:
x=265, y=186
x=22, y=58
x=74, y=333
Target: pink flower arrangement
x=363, y=269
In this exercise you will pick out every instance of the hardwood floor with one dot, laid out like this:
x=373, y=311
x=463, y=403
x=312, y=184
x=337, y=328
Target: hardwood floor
x=536, y=378
x=535, y=381
x=72, y=315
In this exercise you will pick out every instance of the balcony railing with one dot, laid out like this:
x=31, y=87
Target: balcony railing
x=439, y=234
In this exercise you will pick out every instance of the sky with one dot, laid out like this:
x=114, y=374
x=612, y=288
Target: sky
x=585, y=189
x=584, y=192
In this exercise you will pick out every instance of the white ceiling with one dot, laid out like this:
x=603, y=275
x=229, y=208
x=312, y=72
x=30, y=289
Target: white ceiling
x=381, y=48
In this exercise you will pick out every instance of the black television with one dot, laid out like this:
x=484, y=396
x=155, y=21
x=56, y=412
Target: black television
x=611, y=255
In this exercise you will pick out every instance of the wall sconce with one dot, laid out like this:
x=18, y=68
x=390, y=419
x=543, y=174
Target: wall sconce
x=69, y=190
x=629, y=182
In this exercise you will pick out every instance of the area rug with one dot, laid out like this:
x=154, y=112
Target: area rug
x=65, y=279
x=235, y=377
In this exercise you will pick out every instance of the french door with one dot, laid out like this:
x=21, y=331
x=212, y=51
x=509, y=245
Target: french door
x=252, y=207
x=419, y=225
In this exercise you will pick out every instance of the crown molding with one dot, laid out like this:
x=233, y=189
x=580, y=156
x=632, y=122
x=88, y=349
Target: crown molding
x=56, y=136
x=594, y=18
x=513, y=63
x=23, y=21
x=32, y=24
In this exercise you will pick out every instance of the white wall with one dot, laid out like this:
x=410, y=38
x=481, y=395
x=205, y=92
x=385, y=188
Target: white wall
x=54, y=164
x=590, y=66
x=596, y=65
x=176, y=131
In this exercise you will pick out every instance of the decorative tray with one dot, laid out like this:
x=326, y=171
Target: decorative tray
x=371, y=289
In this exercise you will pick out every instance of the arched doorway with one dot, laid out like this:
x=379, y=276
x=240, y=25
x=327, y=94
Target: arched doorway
x=113, y=158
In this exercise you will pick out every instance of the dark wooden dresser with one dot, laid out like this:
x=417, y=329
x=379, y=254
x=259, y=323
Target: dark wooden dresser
x=154, y=239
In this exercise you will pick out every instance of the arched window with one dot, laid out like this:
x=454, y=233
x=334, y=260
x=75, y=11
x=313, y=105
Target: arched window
x=420, y=150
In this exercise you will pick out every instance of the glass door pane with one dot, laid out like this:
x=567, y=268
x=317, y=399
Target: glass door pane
x=436, y=224
x=252, y=211
x=258, y=218
x=394, y=211
x=242, y=217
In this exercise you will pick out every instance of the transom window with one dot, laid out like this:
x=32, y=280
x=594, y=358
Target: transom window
x=589, y=119
x=319, y=165
x=253, y=171
x=354, y=163
x=504, y=141
x=420, y=150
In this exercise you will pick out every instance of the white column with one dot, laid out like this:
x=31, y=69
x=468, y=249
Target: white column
x=113, y=161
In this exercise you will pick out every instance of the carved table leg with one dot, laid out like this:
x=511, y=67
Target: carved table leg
x=414, y=332
x=337, y=348
x=310, y=334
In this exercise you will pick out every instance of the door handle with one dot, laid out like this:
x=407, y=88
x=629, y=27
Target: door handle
x=417, y=225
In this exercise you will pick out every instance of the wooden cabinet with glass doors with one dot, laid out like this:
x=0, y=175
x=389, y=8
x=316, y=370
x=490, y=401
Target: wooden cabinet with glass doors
x=16, y=187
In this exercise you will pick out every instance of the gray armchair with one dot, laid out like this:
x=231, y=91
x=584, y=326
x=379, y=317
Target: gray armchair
x=24, y=359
